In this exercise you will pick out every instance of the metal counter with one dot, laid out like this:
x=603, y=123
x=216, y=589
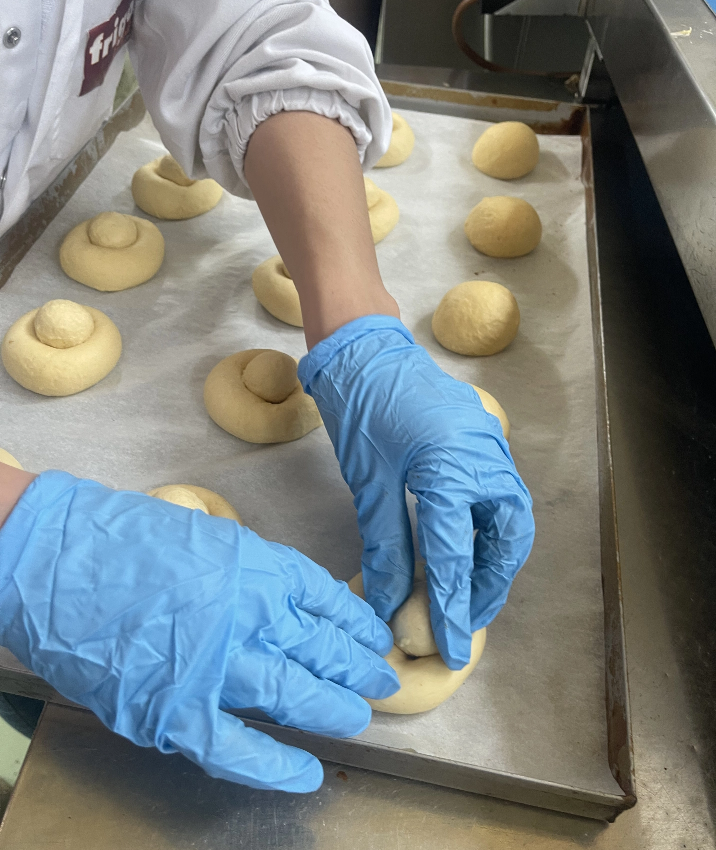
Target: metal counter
x=83, y=787
x=661, y=56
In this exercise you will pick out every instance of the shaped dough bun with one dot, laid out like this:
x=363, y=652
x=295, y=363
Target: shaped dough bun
x=7, y=458
x=47, y=351
x=476, y=318
x=260, y=402
x=503, y=227
x=196, y=498
x=112, y=251
x=506, y=150
x=382, y=209
x=425, y=681
x=276, y=291
x=402, y=140
x=493, y=406
x=162, y=189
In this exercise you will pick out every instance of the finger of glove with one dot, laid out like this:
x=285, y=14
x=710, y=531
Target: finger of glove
x=445, y=537
x=505, y=536
x=388, y=557
x=226, y=749
x=320, y=594
x=329, y=653
x=263, y=677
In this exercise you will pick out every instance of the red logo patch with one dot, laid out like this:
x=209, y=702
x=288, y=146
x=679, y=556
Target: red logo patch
x=103, y=42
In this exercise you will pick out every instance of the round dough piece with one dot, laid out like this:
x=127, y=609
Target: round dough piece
x=503, y=227
x=112, y=251
x=7, y=458
x=162, y=189
x=506, y=150
x=493, y=406
x=69, y=368
x=382, y=209
x=196, y=498
x=402, y=140
x=425, y=681
x=276, y=291
x=476, y=318
x=243, y=413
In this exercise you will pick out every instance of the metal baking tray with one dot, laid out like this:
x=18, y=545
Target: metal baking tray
x=596, y=801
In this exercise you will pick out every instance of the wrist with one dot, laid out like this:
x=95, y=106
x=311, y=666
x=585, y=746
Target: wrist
x=13, y=483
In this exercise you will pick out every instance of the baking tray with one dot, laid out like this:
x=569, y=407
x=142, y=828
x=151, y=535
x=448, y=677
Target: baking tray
x=603, y=793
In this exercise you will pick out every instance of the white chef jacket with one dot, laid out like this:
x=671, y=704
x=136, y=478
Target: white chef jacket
x=210, y=71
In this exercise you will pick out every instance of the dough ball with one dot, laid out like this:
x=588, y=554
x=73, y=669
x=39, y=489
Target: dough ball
x=476, y=318
x=276, y=291
x=382, y=210
x=271, y=376
x=493, y=406
x=60, y=371
x=506, y=150
x=197, y=498
x=402, y=140
x=425, y=681
x=63, y=324
x=240, y=411
x=7, y=458
x=503, y=227
x=169, y=169
x=411, y=623
x=178, y=495
x=112, y=230
x=112, y=251
x=162, y=189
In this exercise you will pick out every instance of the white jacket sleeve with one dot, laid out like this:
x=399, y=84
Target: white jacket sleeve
x=212, y=71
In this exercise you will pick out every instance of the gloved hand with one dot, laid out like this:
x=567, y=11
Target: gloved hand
x=396, y=420
x=157, y=617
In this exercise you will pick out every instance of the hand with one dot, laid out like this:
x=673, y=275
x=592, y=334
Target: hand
x=396, y=420
x=157, y=618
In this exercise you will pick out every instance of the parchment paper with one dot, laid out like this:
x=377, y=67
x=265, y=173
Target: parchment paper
x=535, y=704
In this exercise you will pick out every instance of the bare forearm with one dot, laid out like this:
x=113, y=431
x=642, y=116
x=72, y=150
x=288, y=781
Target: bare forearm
x=13, y=483
x=306, y=177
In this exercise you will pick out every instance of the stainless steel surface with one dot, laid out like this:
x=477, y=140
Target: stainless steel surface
x=661, y=56
x=83, y=788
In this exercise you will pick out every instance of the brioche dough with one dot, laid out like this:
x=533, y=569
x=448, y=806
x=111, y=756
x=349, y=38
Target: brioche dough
x=382, y=209
x=276, y=291
x=506, y=150
x=196, y=498
x=162, y=189
x=493, y=406
x=426, y=681
x=7, y=458
x=112, y=251
x=250, y=414
x=402, y=140
x=69, y=363
x=476, y=318
x=503, y=227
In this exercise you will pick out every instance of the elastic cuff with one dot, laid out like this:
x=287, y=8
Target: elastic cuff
x=46, y=490
x=252, y=110
x=322, y=354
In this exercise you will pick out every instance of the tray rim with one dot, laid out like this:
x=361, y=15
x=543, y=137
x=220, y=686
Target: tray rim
x=547, y=117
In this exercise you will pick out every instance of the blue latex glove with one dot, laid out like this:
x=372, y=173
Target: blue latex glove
x=396, y=420
x=157, y=617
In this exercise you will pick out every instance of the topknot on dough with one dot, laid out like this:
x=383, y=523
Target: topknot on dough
x=372, y=192
x=271, y=376
x=112, y=230
x=63, y=324
x=169, y=169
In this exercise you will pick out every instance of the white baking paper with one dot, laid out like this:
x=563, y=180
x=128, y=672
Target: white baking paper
x=535, y=704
